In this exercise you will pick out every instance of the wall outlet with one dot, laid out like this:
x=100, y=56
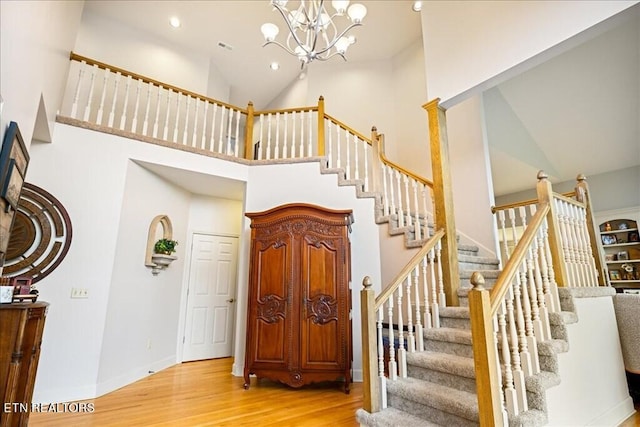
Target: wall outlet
x=148, y=343
x=79, y=293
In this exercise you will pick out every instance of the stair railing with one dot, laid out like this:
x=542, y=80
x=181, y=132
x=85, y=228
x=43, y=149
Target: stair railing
x=394, y=321
x=509, y=322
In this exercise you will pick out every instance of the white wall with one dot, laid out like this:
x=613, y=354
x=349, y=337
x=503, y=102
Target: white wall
x=89, y=173
x=588, y=396
x=271, y=185
x=35, y=40
x=110, y=42
x=469, y=43
x=142, y=309
x=470, y=169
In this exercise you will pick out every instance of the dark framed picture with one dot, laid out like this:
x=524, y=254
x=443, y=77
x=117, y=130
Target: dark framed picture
x=614, y=274
x=609, y=239
x=14, y=159
x=21, y=285
x=622, y=256
x=633, y=237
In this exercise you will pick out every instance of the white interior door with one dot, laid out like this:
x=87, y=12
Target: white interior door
x=210, y=301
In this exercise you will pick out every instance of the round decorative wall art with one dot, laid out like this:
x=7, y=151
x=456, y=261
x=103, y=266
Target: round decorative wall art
x=40, y=236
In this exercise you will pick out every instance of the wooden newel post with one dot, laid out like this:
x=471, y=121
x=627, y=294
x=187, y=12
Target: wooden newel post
x=582, y=195
x=545, y=195
x=443, y=198
x=321, y=126
x=484, y=354
x=371, y=391
x=376, y=166
x=248, y=134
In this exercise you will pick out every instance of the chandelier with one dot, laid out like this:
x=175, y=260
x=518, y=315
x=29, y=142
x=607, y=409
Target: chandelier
x=313, y=34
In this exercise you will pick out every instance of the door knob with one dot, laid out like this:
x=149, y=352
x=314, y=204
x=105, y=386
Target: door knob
x=230, y=300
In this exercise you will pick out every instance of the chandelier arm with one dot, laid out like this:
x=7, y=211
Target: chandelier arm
x=335, y=40
x=288, y=50
x=319, y=58
x=291, y=30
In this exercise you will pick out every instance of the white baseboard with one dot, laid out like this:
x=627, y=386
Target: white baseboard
x=133, y=375
x=65, y=394
x=616, y=415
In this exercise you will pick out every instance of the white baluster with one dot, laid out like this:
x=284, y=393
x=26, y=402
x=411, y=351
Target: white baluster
x=236, y=146
x=393, y=366
x=411, y=339
x=516, y=362
x=400, y=204
x=165, y=130
x=532, y=344
x=212, y=135
x=293, y=135
x=442, y=299
x=229, y=130
x=392, y=208
x=145, y=124
x=409, y=220
x=381, y=376
x=553, y=287
x=509, y=389
x=356, y=162
x=385, y=192
x=186, y=121
x=175, y=125
x=123, y=117
x=347, y=144
x=402, y=354
x=427, y=320
x=338, y=147
x=205, y=115
x=196, y=116
x=105, y=79
x=156, y=123
x=76, y=95
x=220, y=136
x=134, y=122
x=112, y=112
x=261, y=141
x=276, y=154
x=418, y=228
x=301, y=134
x=285, y=141
x=366, y=166
x=435, y=309
x=87, y=107
x=310, y=140
x=268, y=136
x=416, y=290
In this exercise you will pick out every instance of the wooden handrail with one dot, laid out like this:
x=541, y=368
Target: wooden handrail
x=430, y=244
x=506, y=206
x=513, y=264
x=568, y=200
x=351, y=130
x=75, y=57
x=417, y=177
x=287, y=110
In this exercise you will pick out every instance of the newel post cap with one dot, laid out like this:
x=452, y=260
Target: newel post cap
x=366, y=282
x=477, y=280
x=542, y=175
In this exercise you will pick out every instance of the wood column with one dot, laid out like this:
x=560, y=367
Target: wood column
x=485, y=358
x=321, y=149
x=248, y=135
x=545, y=195
x=370, y=389
x=443, y=198
x=582, y=195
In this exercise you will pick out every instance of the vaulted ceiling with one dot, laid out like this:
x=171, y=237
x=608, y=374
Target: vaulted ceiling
x=576, y=113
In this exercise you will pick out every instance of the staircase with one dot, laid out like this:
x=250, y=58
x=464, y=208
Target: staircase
x=440, y=387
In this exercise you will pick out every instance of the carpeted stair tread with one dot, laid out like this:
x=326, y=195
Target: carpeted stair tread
x=456, y=312
x=446, y=399
x=487, y=274
x=532, y=417
x=452, y=335
x=443, y=362
x=563, y=318
x=541, y=381
x=474, y=259
x=552, y=347
x=391, y=417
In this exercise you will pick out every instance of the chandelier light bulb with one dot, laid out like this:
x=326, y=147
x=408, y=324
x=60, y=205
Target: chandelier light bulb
x=357, y=12
x=269, y=31
x=342, y=45
x=340, y=6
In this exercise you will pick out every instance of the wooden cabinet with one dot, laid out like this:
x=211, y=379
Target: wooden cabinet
x=621, y=244
x=298, y=317
x=21, y=327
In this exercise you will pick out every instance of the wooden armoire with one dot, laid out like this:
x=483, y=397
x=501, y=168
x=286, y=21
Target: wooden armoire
x=298, y=316
x=21, y=327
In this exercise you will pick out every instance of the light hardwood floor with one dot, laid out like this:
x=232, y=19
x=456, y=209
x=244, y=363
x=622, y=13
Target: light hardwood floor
x=206, y=394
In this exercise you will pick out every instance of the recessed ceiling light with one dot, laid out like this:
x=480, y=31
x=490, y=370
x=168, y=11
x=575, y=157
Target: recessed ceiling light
x=417, y=6
x=174, y=22
x=274, y=66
